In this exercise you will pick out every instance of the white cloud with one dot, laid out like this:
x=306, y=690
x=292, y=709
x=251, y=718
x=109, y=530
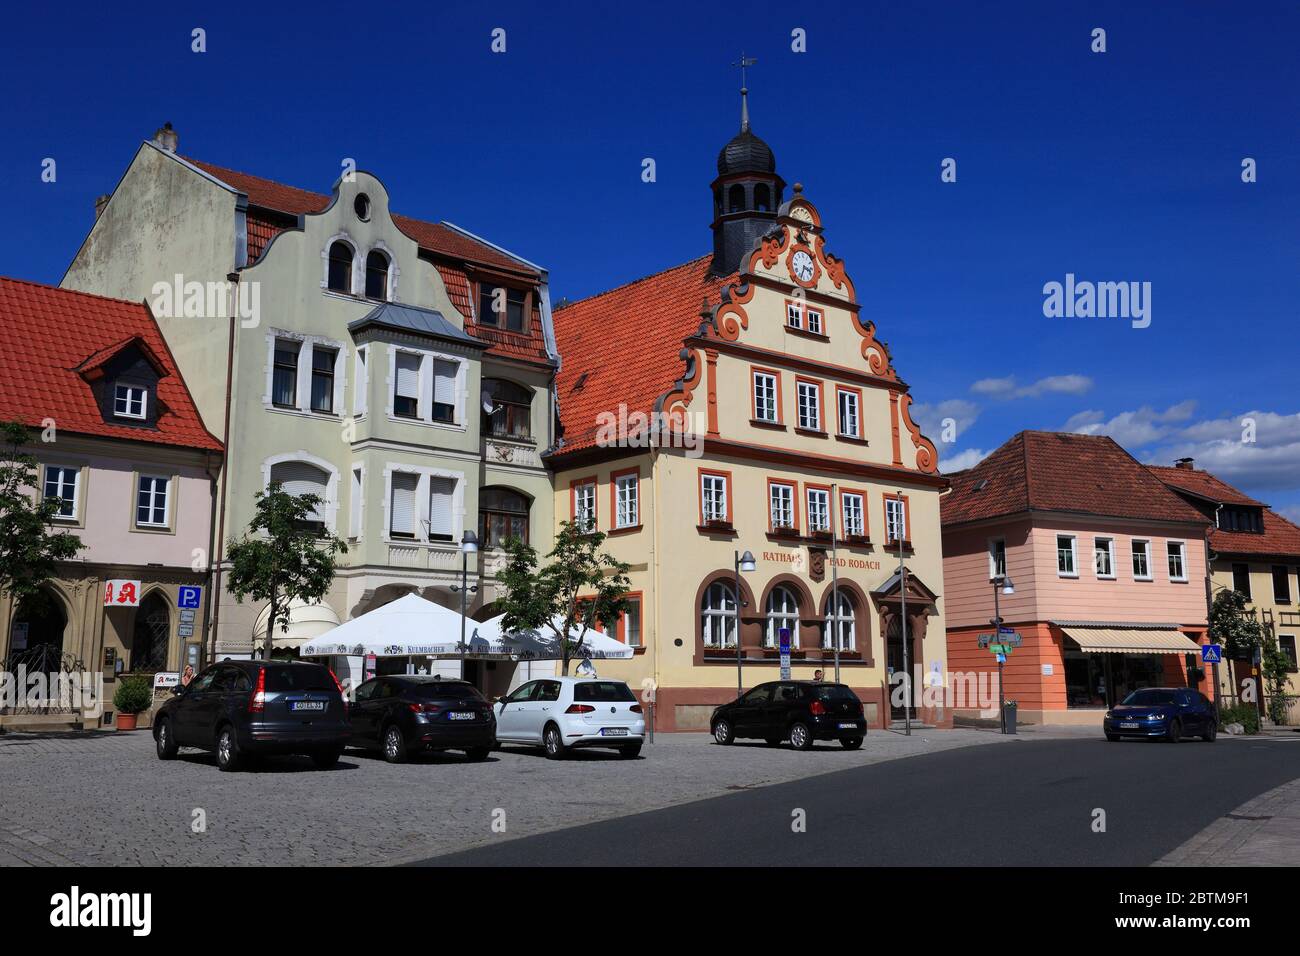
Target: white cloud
x=930, y=418
x=1132, y=429
x=1291, y=513
x=1052, y=384
x=961, y=461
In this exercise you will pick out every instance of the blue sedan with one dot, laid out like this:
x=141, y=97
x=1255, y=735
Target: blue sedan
x=1164, y=713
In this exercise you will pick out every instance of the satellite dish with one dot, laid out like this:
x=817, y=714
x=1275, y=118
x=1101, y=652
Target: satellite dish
x=488, y=406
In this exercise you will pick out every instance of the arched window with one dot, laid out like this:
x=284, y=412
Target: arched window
x=502, y=514
x=152, y=637
x=340, y=274
x=782, y=611
x=762, y=198
x=507, y=409
x=736, y=198
x=718, y=615
x=838, y=622
x=302, y=478
x=376, y=275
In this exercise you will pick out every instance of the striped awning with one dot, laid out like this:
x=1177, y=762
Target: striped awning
x=1124, y=640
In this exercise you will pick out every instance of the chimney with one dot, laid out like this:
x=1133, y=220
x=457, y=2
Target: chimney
x=100, y=203
x=1185, y=463
x=167, y=138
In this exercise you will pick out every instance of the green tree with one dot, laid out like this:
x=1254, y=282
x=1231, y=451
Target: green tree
x=30, y=548
x=282, y=557
x=1275, y=666
x=578, y=586
x=1237, y=628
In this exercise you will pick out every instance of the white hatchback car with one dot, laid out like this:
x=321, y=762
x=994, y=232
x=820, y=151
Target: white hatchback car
x=562, y=713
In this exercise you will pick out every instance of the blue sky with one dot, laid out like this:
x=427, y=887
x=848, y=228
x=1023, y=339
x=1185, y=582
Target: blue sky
x=1115, y=166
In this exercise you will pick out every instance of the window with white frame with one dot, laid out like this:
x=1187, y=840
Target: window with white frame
x=361, y=381
x=997, y=558
x=713, y=497
x=584, y=505
x=854, y=514
x=130, y=401
x=1103, y=557
x=323, y=361
x=61, y=484
x=810, y=405
x=794, y=315
x=426, y=387
x=442, y=496
x=850, y=425
x=151, y=502
x=718, y=615
x=627, y=506
x=304, y=478
x=1141, y=560
x=444, y=390
x=632, y=623
x=782, y=614
x=403, y=507
x=355, y=504
x=306, y=374
x=284, y=379
x=1177, y=553
x=781, y=502
x=406, y=385
x=765, y=399
x=1066, y=565
x=895, y=519
x=814, y=317
x=838, y=622
x=819, y=510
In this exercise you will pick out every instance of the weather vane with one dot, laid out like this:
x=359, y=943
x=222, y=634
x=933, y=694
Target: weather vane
x=745, y=62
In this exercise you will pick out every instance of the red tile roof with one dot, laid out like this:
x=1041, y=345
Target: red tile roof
x=50, y=337
x=1279, y=537
x=1058, y=471
x=1203, y=484
x=622, y=346
x=434, y=237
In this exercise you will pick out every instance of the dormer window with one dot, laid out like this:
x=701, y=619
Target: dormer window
x=504, y=307
x=130, y=401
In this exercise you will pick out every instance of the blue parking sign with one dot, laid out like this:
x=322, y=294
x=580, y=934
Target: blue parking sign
x=189, y=596
x=1211, y=653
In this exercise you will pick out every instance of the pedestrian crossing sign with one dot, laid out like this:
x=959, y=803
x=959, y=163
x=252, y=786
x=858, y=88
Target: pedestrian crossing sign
x=1211, y=653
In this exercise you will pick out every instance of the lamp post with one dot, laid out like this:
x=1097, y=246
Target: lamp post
x=468, y=546
x=1001, y=582
x=902, y=615
x=744, y=562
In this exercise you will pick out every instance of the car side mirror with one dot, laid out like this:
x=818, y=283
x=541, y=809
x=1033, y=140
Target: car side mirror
x=178, y=690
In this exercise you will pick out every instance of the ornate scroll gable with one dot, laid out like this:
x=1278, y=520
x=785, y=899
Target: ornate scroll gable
x=674, y=404
x=834, y=267
x=730, y=317
x=875, y=352
x=927, y=458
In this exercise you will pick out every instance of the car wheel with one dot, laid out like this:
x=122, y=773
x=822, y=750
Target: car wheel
x=478, y=753
x=851, y=743
x=1210, y=735
x=723, y=733
x=553, y=742
x=773, y=741
x=801, y=737
x=324, y=759
x=629, y=751
x=165, y=740
x=1175, y=732
x=228, y=757
x=1113, y=738
x=394, y=744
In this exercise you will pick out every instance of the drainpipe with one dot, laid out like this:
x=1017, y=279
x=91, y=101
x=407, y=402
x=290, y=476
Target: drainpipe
x=220, y=550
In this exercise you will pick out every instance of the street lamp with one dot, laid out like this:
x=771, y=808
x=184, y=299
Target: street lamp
x=744, y=562
x=1003, y=583
x=468, y=546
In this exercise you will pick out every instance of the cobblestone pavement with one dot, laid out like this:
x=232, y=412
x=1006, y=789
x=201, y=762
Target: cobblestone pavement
x=105, y=799
x=1264, y=831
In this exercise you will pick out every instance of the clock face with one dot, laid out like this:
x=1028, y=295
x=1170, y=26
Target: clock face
x=802, y=264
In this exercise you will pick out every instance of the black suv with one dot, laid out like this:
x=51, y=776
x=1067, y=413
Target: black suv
x=800, y=711
x=402, y=713
x=245, y=708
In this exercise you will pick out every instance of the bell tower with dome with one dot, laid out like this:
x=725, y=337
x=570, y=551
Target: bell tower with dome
x=746, y=195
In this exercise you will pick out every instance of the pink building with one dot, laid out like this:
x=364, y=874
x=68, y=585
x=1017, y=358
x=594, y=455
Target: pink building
x=1109, y=571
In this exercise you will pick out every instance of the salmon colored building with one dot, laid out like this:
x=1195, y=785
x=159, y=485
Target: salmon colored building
x=1109, y=571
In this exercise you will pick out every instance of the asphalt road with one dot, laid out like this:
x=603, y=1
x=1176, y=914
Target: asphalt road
x=1026, y=803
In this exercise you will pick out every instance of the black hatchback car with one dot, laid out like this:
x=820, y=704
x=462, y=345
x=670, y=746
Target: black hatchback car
x=401, y=714
x=246, y=708
x=795, y=710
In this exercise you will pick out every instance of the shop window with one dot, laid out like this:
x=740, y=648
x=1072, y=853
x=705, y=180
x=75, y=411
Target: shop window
x=152, y=635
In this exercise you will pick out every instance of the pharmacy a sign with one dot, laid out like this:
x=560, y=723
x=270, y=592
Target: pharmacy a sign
x=120, y=592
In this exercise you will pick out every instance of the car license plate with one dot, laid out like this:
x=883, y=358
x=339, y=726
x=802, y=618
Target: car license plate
x=850, y=726
x=613, y=731
x=462, y=715
x=1130, y=725
x=306, y=705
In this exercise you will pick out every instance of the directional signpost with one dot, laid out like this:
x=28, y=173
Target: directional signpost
x=1000, y=645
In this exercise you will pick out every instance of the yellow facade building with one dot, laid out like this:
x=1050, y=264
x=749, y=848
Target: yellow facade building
x=741, y=402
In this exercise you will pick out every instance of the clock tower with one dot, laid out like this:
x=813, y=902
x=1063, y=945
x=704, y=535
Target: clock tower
x=746, y=195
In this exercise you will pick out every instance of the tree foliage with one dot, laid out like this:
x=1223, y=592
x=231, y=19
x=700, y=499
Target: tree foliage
x=1233, y=626
x=282, y=557
x=579, y=586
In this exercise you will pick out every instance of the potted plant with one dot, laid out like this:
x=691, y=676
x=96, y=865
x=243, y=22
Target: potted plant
x=133, y=695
